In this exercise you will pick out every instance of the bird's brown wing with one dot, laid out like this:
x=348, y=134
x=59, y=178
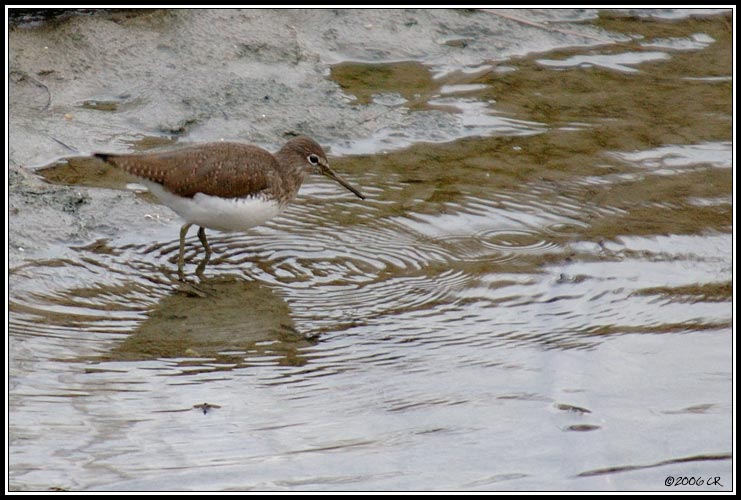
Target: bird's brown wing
x=228, y=170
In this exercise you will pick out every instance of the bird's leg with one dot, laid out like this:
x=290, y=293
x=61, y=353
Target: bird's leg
x=202, y=266
x=181, y=253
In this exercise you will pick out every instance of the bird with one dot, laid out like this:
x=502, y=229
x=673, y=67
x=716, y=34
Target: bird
x=226, y=186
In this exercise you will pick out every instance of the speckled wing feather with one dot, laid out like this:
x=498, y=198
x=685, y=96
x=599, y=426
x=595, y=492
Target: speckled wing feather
x=228, y=170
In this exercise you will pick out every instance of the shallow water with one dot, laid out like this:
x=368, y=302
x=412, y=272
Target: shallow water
x=544, y=304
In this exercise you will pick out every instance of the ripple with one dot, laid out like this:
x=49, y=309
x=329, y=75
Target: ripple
x=677, y=157
x=516, y=241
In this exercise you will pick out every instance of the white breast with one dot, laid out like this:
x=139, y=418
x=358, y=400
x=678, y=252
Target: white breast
x=223, y=214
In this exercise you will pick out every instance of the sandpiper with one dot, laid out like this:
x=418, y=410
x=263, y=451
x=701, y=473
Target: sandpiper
x=226, y=186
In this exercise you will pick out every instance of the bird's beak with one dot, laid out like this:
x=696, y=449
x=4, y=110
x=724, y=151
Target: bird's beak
x=325, y=170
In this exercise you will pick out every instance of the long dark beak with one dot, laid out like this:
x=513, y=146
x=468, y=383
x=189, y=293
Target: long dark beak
x=325, y=170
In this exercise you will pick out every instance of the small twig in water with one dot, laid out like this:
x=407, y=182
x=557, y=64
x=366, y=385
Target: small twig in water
x=63, y=144
x=542, y=26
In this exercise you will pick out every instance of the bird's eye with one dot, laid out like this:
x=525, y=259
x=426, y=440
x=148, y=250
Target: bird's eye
x=313, y=159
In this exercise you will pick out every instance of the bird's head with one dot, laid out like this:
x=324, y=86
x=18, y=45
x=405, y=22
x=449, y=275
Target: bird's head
x=304, y=152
